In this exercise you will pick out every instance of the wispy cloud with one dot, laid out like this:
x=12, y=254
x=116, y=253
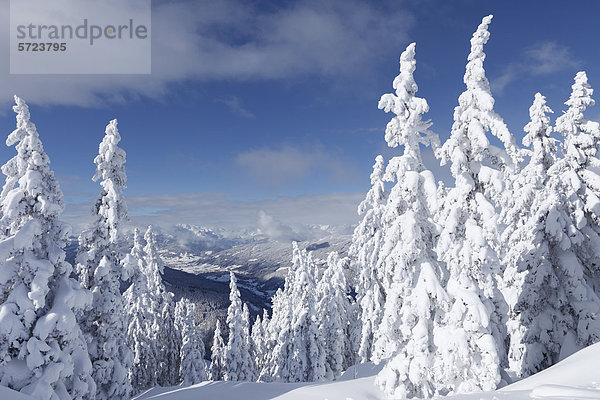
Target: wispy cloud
x=276, y=166
x=230, y=40
x=236, y=106
x=542, y=59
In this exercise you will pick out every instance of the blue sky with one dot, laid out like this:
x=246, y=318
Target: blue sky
x=272, y=106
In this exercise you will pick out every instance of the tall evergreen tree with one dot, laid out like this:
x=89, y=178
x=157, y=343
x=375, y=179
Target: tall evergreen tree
x=578, y=236
x=43, y=352
x=217, y=365
x=258, y=348
x=163, y=323
x=238, y=362
x=305, y=358
x=411, y=276
x=366, y=244
x=473, y=350
x=580, y=169
x=100, y=270
x=193, y=368
x=530, y=278
x=333, y=312
x=142, y=311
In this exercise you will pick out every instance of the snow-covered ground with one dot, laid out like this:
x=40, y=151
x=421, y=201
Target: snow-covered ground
x=575, y=378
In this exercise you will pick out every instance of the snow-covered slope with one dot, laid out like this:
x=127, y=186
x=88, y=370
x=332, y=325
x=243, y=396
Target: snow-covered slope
x=575, y=378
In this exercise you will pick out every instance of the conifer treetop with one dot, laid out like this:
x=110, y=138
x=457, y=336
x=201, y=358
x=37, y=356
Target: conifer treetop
x=468, y=145
x=406, y=127
x=539, y=129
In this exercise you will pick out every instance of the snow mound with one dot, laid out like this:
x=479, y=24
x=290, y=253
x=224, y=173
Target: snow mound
x=575, y=378
x=9, y=394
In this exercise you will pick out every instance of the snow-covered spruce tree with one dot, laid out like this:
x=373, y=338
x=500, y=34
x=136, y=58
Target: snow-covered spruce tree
x=333, y=308
x=580, y=168
x=238, y=362
x=580, y=241
x=415, y=301
x=277, y=333
x=472, y=342
x=141, y=308
x=278, y=329
x=100, y=270
x=530, y=277
x=43, y=352
x=163, y=323
x=193, y=367
x=366, y=244
x=252, y=372
x=217, y=365
x=295, y=345
x=306, y=346
x=258, y=343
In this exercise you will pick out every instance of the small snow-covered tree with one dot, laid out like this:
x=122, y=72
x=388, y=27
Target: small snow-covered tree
x=163, y=323
x=193, y=368
x=277, y=332
x=217, y=365
x=295, y=345
x=471, y=342
x=43, y=352
x=571, y=221
x=580, y=169
x=530, y=279
x=238, y=362
x=333, y=307
x=410, y=274
x=366, y=244
x=258, y=342
x=100, y=270
x=306, y=349
x=141, y=310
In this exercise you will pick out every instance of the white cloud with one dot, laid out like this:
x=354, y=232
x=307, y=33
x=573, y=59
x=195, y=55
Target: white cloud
x=230, y=39
x=542, y=59
x=218, y=210
x=275, y=229
x=273, y=167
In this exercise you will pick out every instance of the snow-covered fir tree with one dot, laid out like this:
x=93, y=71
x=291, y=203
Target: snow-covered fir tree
x=43, y=352
x=100, y=270
x=530, y=278
x=217, y=364
x=415, y=301
x=580, y=169
x=239, y=365
x=305, y=358
x=193, y=367
x=142, y=312
x=163, y=323
x=472, y=341
x=366, y=244
x=295, y=346
x=333, y=312
x=277, y=331
x=575, y=227
x=258, y=341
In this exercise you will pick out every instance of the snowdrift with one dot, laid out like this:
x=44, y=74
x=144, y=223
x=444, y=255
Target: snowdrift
x=575, y=378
